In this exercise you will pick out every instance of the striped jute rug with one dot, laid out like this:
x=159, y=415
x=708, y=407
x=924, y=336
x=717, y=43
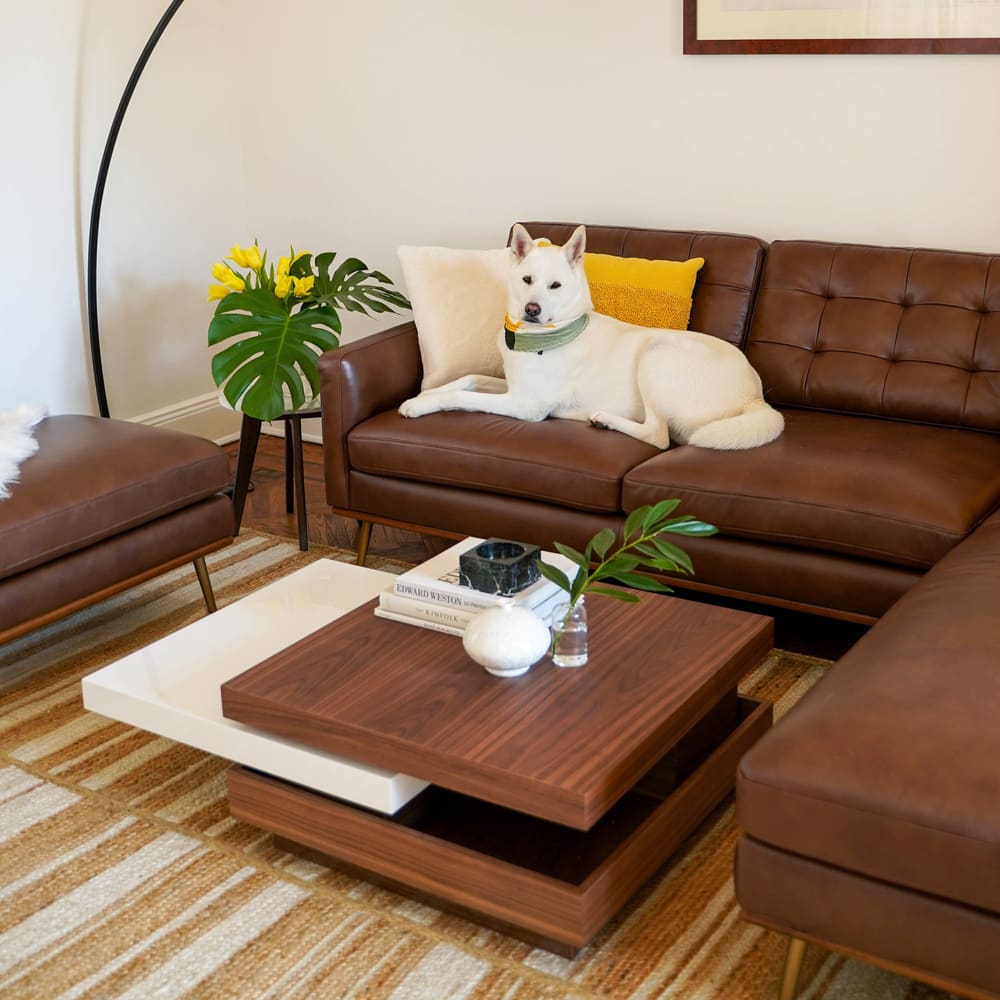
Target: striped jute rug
x=123, y=875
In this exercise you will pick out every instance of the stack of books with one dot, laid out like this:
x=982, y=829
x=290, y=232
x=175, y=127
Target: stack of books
x=430, y=595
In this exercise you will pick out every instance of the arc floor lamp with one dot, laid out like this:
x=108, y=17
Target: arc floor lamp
x=95, y=208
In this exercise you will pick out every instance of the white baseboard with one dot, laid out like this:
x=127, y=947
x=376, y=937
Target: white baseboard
x=206, y=417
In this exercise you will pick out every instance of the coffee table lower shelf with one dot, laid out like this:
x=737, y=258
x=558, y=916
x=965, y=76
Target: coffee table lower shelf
x=547, y=884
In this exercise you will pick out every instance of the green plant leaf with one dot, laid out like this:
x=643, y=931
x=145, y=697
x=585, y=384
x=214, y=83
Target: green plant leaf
x=634, y=523
x=658, y=512
x=302, y=266
x=556, y=575
x=283, y=349
x=602, y=541
x=692, y=528
x=354, y=288
x=618, y=595
x=570, y=553
x=641, y=582
x=673, y=553
x=619, y=563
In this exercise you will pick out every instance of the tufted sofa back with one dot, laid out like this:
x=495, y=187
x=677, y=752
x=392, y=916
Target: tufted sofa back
x=724, y=291
x=905, y=334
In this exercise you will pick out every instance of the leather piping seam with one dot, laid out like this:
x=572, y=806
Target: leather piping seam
x=957, y=534
x=120, y=529
x=784, y=791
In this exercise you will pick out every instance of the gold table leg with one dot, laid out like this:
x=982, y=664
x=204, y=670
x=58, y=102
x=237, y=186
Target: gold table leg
x=793, y=965
x=364, y=537
x=205, y=581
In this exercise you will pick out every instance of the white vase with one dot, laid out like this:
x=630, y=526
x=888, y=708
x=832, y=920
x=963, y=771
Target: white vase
x=506, y=640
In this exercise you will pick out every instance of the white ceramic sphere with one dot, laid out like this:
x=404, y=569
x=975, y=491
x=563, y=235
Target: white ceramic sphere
x=506, y=640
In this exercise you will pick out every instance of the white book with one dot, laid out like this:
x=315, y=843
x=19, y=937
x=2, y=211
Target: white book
x=436, y=581
x=443, y=614
x=420, y=622
x=430, y=611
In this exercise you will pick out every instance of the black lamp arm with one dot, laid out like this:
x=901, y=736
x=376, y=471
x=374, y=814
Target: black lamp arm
x=95, y=209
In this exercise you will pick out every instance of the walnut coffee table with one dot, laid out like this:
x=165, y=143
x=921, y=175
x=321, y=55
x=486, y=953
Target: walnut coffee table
x=552, y=796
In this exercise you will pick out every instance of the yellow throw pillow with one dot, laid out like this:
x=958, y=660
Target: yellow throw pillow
x=643, y=292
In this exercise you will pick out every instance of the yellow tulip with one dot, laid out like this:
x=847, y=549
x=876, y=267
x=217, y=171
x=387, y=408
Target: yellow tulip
x=238, y=254
x=253, y=257
x=283, y=285
x=303, y=286
x=228, y=277
x=217, y=292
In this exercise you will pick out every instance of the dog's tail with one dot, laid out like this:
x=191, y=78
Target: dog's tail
x=756, y=425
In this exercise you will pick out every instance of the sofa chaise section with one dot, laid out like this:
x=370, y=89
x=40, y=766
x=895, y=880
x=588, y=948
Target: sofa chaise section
x=870, y=814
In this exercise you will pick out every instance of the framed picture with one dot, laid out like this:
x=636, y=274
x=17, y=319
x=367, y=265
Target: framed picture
x=726, y=27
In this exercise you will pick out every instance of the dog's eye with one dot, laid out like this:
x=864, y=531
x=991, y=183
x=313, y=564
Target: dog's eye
x=555, y=285
x=527, y=279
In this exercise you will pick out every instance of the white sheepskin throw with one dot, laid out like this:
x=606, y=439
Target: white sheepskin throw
x=16, y=442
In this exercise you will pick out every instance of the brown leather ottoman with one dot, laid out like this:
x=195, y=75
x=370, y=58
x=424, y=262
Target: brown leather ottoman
x=101, y=506
x=871, y=813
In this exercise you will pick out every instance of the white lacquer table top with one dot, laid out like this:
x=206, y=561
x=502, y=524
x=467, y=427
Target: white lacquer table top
x=172, y=687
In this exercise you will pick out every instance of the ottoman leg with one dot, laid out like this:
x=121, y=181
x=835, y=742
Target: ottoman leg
x=206, y=584
x=793, y=963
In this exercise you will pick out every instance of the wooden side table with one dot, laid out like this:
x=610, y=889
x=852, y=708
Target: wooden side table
x=295, y=480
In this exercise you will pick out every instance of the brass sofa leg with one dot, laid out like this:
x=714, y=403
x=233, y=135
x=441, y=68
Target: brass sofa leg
x=364, y=537
x=206, y=584
x=793, y=965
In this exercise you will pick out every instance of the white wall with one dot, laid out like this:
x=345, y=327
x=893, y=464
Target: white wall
x=446, y=120
x=41, y=325
x=357, y=127
x=175, y=193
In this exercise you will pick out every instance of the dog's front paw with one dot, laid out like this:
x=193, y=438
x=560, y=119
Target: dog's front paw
x=599, y=420
x=418, y=406
x=411, y=408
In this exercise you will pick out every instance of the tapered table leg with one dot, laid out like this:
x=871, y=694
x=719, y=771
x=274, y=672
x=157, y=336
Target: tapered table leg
x=294, y=424
x=249, y=436
x=289, y=468
x=793, y=965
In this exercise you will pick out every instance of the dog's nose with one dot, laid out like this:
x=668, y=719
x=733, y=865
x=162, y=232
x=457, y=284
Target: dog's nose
x=532, y=310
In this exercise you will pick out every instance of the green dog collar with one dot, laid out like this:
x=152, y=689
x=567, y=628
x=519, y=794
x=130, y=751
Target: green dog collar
x=559, y=336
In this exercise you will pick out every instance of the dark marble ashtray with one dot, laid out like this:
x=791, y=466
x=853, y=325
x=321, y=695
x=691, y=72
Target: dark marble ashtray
x=499, y=566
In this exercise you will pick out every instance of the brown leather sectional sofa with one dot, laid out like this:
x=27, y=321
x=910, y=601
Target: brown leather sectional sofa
x=101, y=506
x=871, y=814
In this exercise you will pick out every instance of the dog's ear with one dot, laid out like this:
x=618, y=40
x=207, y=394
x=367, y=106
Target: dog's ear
x=521, y=241
x=575, y=245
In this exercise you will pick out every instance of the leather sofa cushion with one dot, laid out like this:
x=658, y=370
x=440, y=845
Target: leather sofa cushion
x=564, y=462
x=888, y=767
x=879, y=489
x=92, y=478
x=907, y=334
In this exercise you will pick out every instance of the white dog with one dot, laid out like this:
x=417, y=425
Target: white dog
x=561, y=359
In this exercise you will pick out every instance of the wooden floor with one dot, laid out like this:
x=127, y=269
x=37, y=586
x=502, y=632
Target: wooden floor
x=265, y=507
x=265, y=511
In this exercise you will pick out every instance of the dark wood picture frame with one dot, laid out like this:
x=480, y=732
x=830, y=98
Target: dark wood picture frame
x=695, y=45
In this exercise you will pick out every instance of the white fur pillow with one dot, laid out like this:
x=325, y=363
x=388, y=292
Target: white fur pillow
x=459, y=299
x=16, y=443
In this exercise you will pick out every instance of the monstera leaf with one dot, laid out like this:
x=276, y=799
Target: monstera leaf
x=352, y=286
x=281, y=320
x=281, y=351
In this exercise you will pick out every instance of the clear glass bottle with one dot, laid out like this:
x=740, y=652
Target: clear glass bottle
x=569, y=634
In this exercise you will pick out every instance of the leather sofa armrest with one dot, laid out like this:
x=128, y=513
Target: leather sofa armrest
x=357, y=381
